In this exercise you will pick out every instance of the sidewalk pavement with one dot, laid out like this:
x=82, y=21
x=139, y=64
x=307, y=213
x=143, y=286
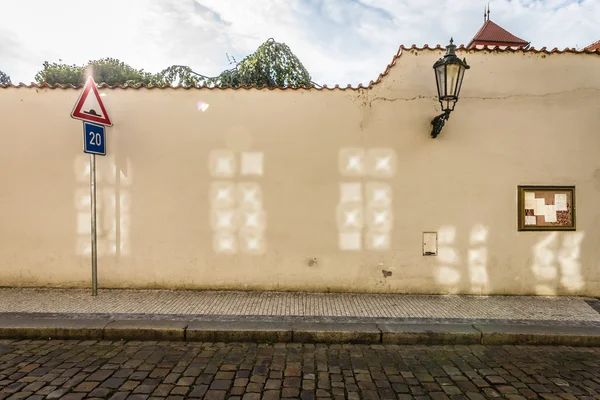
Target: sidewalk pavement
x=217, y=316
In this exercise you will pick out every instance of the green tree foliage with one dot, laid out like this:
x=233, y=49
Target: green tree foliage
x=106, y=70
x=60, y=73
x=272, y=64
x=181, y=74
x=4, y=79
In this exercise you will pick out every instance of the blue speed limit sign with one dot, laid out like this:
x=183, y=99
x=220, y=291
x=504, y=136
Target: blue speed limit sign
x=93, y=139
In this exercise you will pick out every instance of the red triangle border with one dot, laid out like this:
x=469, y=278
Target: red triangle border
x=90, y=85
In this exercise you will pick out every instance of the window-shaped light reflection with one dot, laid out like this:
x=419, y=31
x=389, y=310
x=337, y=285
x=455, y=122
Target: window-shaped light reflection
x=237, y=216
x=370, y=211
x=113, y=207
x=477, y=260
x=570, y=265
x=447, y=273
x=222, y=163
x=252, y=164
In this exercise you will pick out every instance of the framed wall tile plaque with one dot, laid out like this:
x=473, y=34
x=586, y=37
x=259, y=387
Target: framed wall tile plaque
x=546, y=208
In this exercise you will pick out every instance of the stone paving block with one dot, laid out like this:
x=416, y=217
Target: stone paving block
x=145, y=330
x=119, y=396
x=99, y=376
x=239, y=331
x=74, y=396
x=308, y=332
x=429, y=334
x=290, y=392
x=100, y=392
x=586, y=336
x=307, y=305
x=305, y=371
x=113, y=383
x=58, y=328
x=271, y=395
x=86, y=387
x=215, y=395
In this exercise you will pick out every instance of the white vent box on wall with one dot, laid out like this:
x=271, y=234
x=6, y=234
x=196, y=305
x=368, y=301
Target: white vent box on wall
x=430, y=247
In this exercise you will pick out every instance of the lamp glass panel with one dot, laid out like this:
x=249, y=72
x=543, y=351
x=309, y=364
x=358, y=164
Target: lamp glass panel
x=452, y=76
x=440, y=73
x=460, y=80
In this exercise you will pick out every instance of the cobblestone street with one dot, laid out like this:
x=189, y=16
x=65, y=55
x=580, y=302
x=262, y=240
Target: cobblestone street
x=150, y=370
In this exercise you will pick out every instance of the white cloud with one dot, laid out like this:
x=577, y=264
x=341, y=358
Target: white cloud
x=339, y=41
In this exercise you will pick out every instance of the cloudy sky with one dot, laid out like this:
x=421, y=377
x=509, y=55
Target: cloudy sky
x=338, y=41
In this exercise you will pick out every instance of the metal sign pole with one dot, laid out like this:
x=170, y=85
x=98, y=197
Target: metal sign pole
x=94, y=119
x=94, y=244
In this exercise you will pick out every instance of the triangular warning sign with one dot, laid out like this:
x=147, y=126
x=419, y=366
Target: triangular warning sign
x=90, y=107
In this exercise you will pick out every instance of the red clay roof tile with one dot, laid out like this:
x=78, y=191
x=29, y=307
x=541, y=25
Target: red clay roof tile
x=494, y=33
x=593, y=46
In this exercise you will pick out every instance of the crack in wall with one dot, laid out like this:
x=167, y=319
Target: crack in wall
x=549, y=94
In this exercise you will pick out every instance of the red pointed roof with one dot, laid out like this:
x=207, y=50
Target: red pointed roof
x=493, y=34
x=594, y=46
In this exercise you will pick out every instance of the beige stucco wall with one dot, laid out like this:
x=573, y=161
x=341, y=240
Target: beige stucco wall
x=524, y=118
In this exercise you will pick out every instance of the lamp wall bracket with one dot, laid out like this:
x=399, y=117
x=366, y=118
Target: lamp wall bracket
x=438, y=123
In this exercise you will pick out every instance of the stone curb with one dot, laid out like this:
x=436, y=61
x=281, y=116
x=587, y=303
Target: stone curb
x=429, y=334
x=45, y=329
x=239, y=331
x=145, y=330
x=310, y=332
x=539, y=335
x=300, y=332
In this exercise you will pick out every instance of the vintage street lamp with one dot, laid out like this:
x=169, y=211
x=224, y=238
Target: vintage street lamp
x=449, y=73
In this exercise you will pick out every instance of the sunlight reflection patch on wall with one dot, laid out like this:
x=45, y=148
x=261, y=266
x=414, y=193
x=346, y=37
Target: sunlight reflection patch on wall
x=351, y=193
x=556, y=263
x=350, y=224
x=350, y=241
x=222, y=195
x=252, y=164
x=350, y=217
x=122, y=176
x=113, y=207
x=249, y=196
x=371, y=210
x=222, y=163
x=447, y=274
x=224, y=242
x=544, y=259
x=351, y=162
x=568, y=259
x=236, y=209
x=379, y=194
x=378, y=241
x=478, y=259
x=544, y=290
x=479, y=235
x=224, y=220
x=447, y=254
x=381, y=163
